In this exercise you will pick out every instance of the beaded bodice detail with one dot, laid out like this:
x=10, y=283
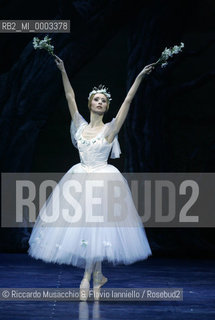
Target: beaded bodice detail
x=94, y=151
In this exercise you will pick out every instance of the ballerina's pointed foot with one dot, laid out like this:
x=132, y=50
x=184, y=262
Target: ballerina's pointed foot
x=98, y=281
x=84, y=289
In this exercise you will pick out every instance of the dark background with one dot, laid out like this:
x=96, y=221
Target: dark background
x=170, y=126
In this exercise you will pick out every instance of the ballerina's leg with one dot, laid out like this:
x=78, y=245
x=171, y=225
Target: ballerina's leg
x=85, y=283
x=98, y=266
x=88, y=270
x=98, y=279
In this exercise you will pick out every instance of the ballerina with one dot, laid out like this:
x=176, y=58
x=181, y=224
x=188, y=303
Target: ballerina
x=84, y=246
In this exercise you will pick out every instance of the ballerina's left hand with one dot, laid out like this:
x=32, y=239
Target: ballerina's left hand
x=148, y=69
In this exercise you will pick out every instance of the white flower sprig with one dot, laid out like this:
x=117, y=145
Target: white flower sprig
x=43, y=44
x=167, y=53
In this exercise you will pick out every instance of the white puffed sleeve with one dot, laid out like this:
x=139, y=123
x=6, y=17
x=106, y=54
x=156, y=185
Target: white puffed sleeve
x=115, y=151
x=77, y=122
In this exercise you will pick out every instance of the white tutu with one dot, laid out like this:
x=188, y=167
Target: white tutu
x=100, y=221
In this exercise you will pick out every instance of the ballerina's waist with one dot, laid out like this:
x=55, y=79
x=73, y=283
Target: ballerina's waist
x=90, y=168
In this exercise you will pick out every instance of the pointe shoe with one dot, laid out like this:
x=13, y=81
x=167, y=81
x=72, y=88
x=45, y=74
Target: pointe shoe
x=98, y=281
x=84, y=289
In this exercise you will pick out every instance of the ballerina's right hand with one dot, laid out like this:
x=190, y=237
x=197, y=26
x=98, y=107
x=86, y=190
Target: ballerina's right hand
x=59, y=63
x=148, y=69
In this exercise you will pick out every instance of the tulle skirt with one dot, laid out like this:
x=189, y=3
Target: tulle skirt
x=100, y=222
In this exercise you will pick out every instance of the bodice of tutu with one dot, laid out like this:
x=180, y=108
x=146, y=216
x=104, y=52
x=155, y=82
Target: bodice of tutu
x=94, y=152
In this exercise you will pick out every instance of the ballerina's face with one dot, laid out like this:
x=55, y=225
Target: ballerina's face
x=99, y=103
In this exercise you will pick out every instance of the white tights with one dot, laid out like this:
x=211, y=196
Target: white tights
x=92, y=267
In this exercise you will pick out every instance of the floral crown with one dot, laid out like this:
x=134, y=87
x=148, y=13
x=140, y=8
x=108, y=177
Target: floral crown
x=100, y=89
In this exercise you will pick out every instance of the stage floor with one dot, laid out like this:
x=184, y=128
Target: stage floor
x=196, y=277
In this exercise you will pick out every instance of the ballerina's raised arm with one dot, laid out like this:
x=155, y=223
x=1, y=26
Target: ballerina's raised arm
x=70, y=95
x=123, y=111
